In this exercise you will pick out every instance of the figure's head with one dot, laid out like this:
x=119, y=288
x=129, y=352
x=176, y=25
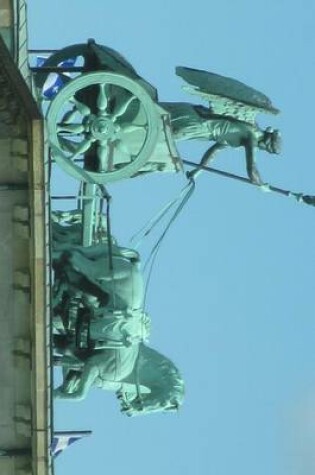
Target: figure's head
x=270, y=141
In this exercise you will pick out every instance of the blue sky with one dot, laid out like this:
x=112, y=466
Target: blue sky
x=231, y=297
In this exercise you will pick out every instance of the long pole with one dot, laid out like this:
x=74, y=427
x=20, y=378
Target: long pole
x=300, y=197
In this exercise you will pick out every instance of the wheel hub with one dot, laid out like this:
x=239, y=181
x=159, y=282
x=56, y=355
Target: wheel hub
x=103, y=128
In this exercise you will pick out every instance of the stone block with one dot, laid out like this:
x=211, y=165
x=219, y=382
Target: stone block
x=20, y=163
x=23, y=411
x=22, y=353
x=22, y=419
x=21, y=230
x=21, y=280
x=19, y=153
x=19, y=147
x=7, y=466
x=21, y=213
x=23, y=471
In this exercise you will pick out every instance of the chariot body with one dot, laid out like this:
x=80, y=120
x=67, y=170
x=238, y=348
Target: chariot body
x=105, y=123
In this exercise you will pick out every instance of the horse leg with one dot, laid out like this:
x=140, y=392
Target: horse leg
x=81, y=385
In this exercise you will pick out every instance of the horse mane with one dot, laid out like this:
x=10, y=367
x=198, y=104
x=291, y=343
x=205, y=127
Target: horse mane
x=158, y=373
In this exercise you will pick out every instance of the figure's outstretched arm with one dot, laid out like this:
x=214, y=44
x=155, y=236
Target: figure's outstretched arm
x=206, y=158
x=87, y=379
x=251, y=168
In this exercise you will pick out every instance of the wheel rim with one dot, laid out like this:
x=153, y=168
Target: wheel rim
x=108, y=119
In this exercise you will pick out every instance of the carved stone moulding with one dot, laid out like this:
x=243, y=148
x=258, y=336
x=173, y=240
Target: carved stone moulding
x=17, y=106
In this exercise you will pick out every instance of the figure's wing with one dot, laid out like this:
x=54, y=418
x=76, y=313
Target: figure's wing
x=227, y=96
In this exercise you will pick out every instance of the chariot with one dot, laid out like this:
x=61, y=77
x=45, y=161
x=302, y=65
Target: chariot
x=104, y=123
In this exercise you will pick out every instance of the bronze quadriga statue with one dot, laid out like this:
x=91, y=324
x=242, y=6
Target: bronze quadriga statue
x=105, y=123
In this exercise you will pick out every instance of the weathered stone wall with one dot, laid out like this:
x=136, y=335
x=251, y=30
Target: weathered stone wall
x=24, y=280
x=6, y=22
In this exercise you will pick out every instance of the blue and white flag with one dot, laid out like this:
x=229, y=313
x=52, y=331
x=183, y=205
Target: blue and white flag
x=62, y=440
x=54, y=81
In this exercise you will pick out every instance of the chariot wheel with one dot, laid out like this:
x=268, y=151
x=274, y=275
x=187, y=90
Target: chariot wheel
x=102, y=127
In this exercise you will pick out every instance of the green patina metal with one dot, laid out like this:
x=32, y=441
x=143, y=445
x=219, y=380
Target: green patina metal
x=106, y=124
x=122, y=137
x=101, y=326
x=113, y=118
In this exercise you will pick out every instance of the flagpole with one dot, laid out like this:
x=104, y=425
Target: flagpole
x=72, y=432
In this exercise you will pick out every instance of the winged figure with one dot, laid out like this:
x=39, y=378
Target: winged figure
x=228, y=121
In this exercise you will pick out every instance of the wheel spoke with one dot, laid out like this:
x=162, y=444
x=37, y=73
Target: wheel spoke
x=123, y=151
x=103, y=156
x=82, y=148
x=123, y=107
x=82, y=108
x=102, y=101
x=111, y=149
x=68, y=145
x=128, y=129
x=69, y=116
x=73, y=129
